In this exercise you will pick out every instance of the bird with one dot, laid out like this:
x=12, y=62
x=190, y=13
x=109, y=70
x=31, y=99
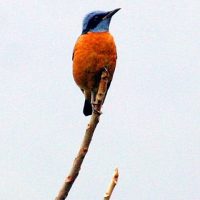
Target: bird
x=94, y=51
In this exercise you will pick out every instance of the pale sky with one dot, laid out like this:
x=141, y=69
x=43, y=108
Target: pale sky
x=151, y=118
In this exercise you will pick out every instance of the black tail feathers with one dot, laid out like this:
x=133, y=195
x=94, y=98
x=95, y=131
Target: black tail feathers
x=87, y=109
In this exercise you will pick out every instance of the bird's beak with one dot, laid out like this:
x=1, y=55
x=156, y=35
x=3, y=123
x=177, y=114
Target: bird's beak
x=111, y=13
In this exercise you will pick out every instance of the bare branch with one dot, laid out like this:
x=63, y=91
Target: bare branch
x=112, y=185
x=62, y=194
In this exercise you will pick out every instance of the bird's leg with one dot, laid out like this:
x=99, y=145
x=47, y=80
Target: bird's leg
x=93, y=94
x=94, y=103
x=97, y=97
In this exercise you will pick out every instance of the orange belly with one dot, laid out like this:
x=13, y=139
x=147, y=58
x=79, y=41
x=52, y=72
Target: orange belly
x=93, y=52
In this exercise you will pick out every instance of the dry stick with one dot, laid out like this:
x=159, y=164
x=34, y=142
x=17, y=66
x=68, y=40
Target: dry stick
x=112, y=185
x=62, y=194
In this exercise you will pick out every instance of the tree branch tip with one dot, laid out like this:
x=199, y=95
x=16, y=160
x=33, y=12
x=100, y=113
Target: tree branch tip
x=116, y=175
x=116, y=172
x=112, y=185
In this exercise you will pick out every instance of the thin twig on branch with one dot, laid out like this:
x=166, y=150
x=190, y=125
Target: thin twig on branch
x=62, y=194
x=112, y=185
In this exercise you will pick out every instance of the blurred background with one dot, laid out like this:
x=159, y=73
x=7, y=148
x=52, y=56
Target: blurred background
x=150, y=124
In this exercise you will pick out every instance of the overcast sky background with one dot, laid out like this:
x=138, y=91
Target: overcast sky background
x=151, y=118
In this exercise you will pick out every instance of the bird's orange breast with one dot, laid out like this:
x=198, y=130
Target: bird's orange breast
x=93, y=52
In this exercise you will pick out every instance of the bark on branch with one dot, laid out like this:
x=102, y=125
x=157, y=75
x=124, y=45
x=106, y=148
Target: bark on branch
x=62, y=194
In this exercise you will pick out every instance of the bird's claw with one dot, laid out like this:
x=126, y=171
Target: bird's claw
x=96, y=109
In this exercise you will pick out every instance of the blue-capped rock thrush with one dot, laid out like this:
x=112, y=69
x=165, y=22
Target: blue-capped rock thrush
x=94, y=51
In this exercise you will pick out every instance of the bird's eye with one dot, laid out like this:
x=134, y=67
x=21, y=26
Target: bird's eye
x=96, y=18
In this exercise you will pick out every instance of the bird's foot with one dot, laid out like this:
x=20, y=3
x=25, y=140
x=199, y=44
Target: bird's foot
x=97, y=111
x=96, y=108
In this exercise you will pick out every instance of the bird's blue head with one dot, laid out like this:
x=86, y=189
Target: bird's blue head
x=98, y=21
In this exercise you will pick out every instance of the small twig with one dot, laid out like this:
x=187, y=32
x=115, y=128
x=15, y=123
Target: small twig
x=112, y=185
x=62, y=194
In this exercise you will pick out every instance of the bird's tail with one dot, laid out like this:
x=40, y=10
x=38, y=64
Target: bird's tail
x=87, y=109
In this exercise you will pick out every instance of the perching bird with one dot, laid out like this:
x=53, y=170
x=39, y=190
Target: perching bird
x=94, y=51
